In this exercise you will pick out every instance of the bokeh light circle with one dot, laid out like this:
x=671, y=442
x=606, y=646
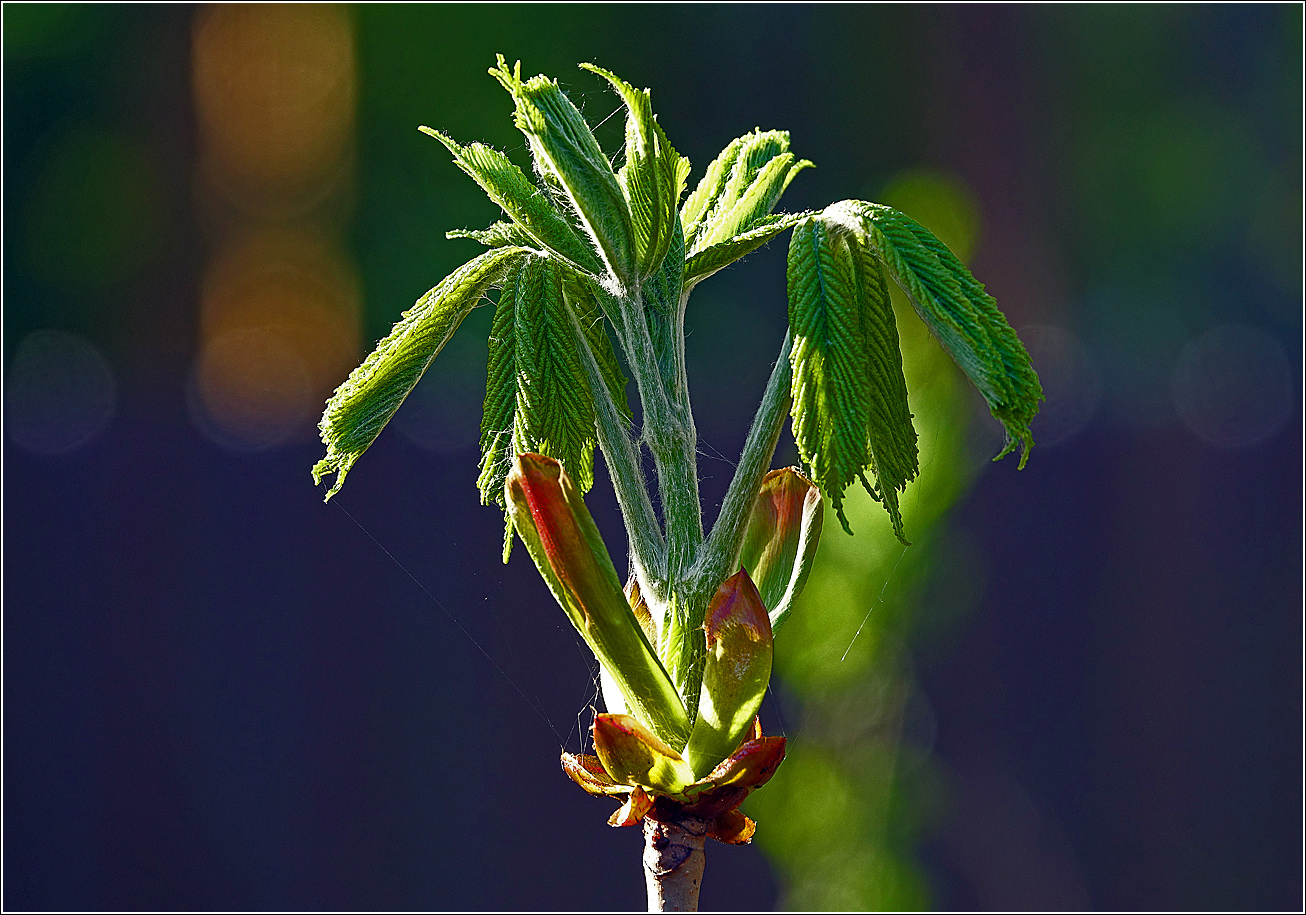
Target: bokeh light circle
x=250, y=389
x=60, y=393
x=274, y=92
x=1232, y=386
x=293, y=284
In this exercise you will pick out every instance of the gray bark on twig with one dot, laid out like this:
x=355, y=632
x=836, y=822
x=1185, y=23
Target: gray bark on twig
x=673, y=863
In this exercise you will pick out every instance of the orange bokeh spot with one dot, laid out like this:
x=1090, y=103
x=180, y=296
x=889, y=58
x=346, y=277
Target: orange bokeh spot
x=292, y=298
x=253, y=389
x=279, y=308
x=290, y=284
x=274, y=91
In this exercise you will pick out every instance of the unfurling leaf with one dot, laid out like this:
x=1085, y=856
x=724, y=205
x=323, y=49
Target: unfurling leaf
x=653, y=176
x=710, y=187
x=529, y=208
x=961, y=315
x=740, y=189
x=634, y=755
x=496, y=235
x=724, y=253
x=736, y=671
x=551, y=518
x=536, y=395
x=364, y=403
x=780, y=541
x=584, y=249
x=849, y=396
x=566, y=153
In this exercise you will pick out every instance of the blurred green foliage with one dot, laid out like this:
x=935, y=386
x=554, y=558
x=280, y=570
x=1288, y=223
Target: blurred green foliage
x=94, y=179
x=50, y=31
x=844, y=814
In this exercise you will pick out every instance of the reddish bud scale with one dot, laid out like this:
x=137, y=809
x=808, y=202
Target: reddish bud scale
x=714, y=799
x=633, y=755
x=542, y=485
x=780, y=542
x=562, y=539
x=735, y=674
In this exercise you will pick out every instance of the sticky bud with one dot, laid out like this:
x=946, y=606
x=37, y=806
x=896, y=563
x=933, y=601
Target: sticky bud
x=736, y=671
x=633, y=755
x=781, y=538
x=551, y=518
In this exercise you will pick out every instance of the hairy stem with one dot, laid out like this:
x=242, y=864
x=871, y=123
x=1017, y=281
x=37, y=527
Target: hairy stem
x=670, y=435
x=648, y=551
x=721, y=551
x=673, y=863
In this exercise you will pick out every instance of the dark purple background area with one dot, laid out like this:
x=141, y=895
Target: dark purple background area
x=1134, y=674
x=220, y=693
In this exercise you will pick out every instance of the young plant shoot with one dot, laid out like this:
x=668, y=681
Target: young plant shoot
x=593, y=270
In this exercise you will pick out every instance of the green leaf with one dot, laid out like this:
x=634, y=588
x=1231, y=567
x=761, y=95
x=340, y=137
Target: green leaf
x=496, y=235
x=849, y=397
x=662, y=291
x=364, y=403
x=891, y=435
x=536, y=395
x=755, y=204
x=722, y=254
x=757, y=151
x=565, y=151
x=961, y=315
x=761, y=168
x=709, y=190
x=589, y=314
x=831, y=402
x=653, y=177
x=528, y=207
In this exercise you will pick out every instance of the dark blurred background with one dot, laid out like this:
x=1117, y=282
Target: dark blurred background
x=1081, y=687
